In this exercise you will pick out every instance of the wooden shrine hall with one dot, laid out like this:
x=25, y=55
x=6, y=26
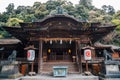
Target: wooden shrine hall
x=58, y=39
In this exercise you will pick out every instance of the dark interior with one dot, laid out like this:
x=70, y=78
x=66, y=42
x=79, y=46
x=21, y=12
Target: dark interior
x=59, y=51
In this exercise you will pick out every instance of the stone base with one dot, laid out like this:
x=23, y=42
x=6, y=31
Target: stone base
x=8, y=76
x=68, y=77
x=32, y=73
x=101, y=78
x=9, y=70
x=110, y=75
x=87, y=73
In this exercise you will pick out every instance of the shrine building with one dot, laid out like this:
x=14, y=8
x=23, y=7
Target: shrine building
x=59, y=40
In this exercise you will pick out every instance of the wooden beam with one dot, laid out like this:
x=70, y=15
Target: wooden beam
x=57, y=39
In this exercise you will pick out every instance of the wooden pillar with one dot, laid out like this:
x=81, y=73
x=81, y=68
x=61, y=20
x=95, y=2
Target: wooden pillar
x=76, y=46
x=40, y=60
x=80, y=57
x=86, y=65
x=32, y=66
x=80, y=62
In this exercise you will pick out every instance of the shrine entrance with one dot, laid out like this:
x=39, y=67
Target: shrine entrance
x=58, y=50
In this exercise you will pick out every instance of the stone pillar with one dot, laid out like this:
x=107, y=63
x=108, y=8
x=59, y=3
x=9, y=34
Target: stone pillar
x=40, y=60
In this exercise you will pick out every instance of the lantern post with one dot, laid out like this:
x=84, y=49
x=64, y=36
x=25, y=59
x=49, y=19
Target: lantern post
x=87, y=57
x=31, y=57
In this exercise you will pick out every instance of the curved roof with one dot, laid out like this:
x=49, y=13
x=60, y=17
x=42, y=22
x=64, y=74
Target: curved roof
x=61, y=16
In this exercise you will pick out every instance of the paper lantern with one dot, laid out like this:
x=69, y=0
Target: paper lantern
x=49, y=50
x=30, y=55
x=69, y=50
x=87, y=54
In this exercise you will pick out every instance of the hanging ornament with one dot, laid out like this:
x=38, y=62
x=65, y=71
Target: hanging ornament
x=60, y=41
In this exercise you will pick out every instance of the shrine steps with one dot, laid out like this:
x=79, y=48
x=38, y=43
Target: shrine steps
x=48, y=67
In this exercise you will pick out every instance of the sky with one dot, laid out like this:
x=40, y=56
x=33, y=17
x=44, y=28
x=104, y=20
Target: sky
x=96, y=3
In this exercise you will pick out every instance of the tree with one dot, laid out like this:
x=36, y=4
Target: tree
x=52, y=4
x=86, y=3
x=4, y=17
x=84, y=10
x=41, y=11
x=36, y=5
x=117, y=22
x=13, y=22
x=111, y=10
x=108, y=9
x=104, y=8
x=117, y=15
x=10, y=8
x=94, y=16
x=21, y=9
x=29, y=18
x=81, y=12
x=69, y=7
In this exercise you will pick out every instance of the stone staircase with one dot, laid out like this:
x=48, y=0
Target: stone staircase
x=48, y=67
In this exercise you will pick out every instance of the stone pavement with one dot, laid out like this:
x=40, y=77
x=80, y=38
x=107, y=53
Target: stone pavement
x=12, y=79
x=100, y=78
x=68, y=77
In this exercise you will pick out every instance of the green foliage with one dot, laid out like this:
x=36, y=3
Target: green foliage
x=117, y=15
x=86, y=3
x=2, y=24
x=4, y=34
x=108, y=9
x=4, y=17
x=29, y=18
x=84, y=10
x=117, y=22
x=81, y=12
x=10, y=8
x=13, y=22
x=41, y=11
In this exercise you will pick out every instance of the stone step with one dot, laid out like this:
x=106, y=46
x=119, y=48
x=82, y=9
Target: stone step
x=68, y=77
x=48, y=66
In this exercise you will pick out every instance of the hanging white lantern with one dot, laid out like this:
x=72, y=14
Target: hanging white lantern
x=70, y=42
x=87, y=54
x=50, y=41
x=30, y=55
x=60, y=41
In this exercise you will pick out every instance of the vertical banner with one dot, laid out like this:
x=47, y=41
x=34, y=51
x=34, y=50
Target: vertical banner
x=87, y=54
x=30, y=55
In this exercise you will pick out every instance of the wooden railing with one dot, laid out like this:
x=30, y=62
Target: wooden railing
x=94, y=60
x=24, y=60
